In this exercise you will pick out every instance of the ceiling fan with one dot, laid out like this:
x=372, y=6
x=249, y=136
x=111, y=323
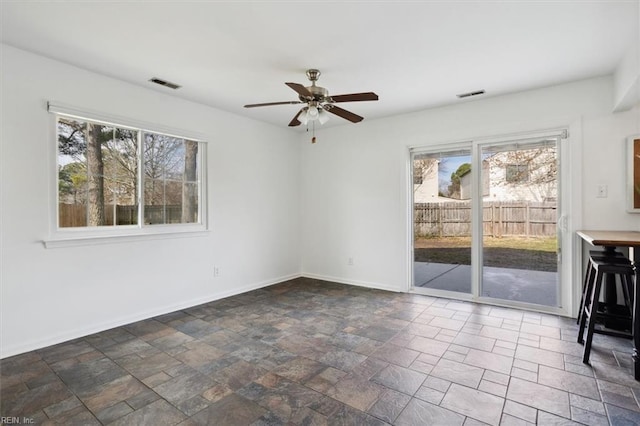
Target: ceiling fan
x=319, y=103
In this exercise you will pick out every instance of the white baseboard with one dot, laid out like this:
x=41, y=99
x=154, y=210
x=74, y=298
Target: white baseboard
x=96, y=328
x=377, y=286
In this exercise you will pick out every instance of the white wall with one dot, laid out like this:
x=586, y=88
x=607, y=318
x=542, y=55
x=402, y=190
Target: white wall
x=626, y=79
x=355, y=180
x=51, y=295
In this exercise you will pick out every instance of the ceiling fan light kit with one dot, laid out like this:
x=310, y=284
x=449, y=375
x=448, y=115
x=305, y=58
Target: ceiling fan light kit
x=319, y=103
x=323, y=116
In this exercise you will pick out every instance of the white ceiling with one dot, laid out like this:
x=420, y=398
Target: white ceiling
x=414, y=55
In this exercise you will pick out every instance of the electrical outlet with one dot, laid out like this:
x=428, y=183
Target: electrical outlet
x=350, y=261
x=216, y=271
x=602, y=191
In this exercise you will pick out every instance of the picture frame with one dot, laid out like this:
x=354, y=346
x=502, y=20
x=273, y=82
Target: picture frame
x=633, y=174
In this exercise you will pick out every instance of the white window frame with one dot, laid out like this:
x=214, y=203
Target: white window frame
x=81, y=236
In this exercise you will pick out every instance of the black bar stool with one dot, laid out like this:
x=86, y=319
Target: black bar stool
x=605, y=256
x=601, y=268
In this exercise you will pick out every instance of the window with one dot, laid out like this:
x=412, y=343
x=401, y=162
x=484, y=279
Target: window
x=112, y=176
x=517, y=173
x=170, y=179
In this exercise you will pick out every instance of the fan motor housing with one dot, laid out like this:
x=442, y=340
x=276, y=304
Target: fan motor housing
x=319, y=94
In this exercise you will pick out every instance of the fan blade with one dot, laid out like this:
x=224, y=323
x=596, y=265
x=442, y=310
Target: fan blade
x=302, y=91
x=354, y=97
x=273, y=103
x=295, y=121
x=347, y=115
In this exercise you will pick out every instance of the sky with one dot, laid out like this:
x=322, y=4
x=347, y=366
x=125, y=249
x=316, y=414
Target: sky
x=449, y=165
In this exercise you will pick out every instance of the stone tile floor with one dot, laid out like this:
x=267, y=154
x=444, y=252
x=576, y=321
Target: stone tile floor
x=310, y=352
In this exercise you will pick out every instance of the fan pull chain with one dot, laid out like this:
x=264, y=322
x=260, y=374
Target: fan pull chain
x=313, y=130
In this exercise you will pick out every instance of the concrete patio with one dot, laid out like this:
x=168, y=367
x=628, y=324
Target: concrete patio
x=521, y=285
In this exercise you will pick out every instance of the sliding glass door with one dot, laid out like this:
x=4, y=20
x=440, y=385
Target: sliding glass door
x=485, y=221
x=442, y=220
x=519, y=185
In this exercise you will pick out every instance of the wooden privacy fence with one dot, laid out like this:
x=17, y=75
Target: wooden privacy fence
x=499, y=218
x=74, y=215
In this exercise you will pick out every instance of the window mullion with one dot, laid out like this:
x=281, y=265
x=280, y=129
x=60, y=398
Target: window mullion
x=114, y=179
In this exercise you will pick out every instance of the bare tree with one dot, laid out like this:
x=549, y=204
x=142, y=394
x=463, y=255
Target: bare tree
x=189, y=191
x=120, y=154
x=161, y=159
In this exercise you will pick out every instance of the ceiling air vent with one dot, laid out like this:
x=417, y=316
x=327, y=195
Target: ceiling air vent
x=164, y=83
x=469, y=94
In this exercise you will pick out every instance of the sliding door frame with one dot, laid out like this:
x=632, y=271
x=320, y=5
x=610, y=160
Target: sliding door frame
x=478, y=205
x=432, y=149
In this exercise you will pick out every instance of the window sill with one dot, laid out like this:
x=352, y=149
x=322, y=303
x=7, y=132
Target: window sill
x=68, y=240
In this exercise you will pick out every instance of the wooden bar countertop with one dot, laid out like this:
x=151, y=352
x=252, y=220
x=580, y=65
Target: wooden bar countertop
x=611, y=238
